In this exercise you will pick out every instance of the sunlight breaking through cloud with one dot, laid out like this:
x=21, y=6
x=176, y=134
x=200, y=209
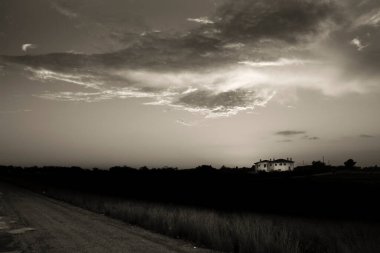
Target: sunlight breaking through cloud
x=219, y=92
x=279, y=63
x=202, y=20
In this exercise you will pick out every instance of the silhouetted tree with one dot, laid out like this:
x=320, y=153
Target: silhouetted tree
x=318, y=164
x=349, y=163
x=205, y=168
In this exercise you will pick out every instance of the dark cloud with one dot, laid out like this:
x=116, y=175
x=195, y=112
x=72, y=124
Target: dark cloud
x=366, y=136
x=290, y=133
x=206, y=45
x=294, y=133
x=153, y=50
x=222, y=102
x=234, y=61
x=274, y=19
x=285, y=141
x=310, y=138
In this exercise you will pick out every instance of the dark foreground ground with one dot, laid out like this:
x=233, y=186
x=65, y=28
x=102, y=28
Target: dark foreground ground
x=33, y=223
x=312, y=210
x=327, y=193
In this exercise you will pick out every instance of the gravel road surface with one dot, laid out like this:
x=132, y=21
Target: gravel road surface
x=30, y=222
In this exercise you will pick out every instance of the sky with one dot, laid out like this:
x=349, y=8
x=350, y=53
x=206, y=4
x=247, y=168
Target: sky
x=99, y=83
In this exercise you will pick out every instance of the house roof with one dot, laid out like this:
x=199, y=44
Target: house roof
x=282, y=161
x=263, y=161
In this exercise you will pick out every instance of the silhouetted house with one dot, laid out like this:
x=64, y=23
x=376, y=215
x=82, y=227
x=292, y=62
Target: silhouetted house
x=275, y=165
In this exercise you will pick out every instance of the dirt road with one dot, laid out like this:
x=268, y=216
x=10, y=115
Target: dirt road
x=33, y=223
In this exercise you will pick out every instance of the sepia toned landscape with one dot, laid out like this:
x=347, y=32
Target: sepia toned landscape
x=247, y=126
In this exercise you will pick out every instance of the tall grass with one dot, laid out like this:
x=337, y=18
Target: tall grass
x=243, y=233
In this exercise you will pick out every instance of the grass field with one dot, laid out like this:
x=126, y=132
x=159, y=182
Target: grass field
x=235, y=232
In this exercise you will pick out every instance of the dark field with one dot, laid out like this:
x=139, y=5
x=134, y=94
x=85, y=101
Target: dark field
x=230, y=210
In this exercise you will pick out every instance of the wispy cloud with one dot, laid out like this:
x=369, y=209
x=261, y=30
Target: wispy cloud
x=371, y=18
x=215, y=91
x=202, y=20
x=285, y=141
x=184, y=123
x=28, y=46
x=235, y=46
x=64, y=11
x=101, y=95
x=290, y=133
x=87, y=81
x=366, y=136
x=209, y=96
x=278, y=63
x=15, y=111
x=358, y=44
x=310, y=138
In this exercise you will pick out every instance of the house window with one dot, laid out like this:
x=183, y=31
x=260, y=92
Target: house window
x=265, y=165
x=275, y=164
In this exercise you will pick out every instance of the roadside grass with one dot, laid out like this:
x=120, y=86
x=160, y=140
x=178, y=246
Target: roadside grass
x=235, y=232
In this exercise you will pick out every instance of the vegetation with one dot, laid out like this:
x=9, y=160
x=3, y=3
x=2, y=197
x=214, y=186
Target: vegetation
x=349, y=163
x=233, y=232
x=315, y=208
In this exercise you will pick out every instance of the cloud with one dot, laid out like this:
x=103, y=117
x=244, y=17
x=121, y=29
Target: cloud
x=101, y=95
x=249, y=53
x=202, y=20
x=220, y=103
x=285, y=141
x=190, y=91
x=274, y=19
x=67, y=12
x=86, y=81
x=290, y=133
x=214, y=91
x=235, y=46
x=26, y=47
x=184, y=123
x=278, y=63
x=366, y=136
x=311, y=138
x=371, y=18
x=296, y=133
x=15, y=111
x=358, y=44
